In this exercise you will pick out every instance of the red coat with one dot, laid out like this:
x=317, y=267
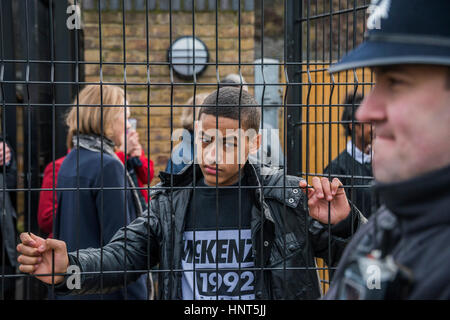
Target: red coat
x=46, y=204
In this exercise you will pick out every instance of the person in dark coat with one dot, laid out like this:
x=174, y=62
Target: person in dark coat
x=403, y=252
x=353, y=166
x=8, y=233
x=91, y=216
x=262, y=237
x=137, y=167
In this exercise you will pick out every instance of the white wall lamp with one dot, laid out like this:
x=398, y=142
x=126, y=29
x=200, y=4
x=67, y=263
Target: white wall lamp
x=182, y=53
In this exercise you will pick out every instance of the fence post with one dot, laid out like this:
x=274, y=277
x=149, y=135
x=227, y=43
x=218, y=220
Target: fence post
x=293, y=30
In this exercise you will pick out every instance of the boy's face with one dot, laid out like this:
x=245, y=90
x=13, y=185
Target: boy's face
x=223, y=148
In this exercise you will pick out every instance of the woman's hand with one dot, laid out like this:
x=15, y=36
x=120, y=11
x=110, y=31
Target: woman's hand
x=134, y=148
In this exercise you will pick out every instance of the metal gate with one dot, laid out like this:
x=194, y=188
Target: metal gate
x=160, y=53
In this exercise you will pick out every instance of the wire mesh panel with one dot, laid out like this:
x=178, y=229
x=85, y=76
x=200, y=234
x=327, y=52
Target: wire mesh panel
x=329, y=133
x=164, y=142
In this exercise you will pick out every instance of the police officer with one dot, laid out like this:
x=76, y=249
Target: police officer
x=403, y=252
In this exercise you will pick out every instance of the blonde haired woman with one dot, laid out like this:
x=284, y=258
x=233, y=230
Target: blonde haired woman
x=90, y=216
x=180, y=158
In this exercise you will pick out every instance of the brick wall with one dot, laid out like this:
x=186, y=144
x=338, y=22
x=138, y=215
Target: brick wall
x=147, y=110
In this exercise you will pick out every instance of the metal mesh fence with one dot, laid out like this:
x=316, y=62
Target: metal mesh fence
x=218, y=229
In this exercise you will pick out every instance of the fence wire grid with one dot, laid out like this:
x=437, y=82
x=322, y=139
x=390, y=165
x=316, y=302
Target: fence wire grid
x=160, y=53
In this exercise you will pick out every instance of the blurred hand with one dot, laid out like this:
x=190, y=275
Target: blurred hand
x=36, y=257
x=134, y=148
x=323, y=193
x=4, y=152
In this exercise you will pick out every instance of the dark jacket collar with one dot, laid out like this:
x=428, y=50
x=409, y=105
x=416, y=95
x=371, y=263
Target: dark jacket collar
x=182, y=178
x=257, y=175
x=419, y=202
x=186, y=176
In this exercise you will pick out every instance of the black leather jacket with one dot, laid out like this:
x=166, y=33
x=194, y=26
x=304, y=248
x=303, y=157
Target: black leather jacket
x=285, y=240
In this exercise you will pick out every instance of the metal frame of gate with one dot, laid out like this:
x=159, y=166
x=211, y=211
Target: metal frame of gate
x=41, y=71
